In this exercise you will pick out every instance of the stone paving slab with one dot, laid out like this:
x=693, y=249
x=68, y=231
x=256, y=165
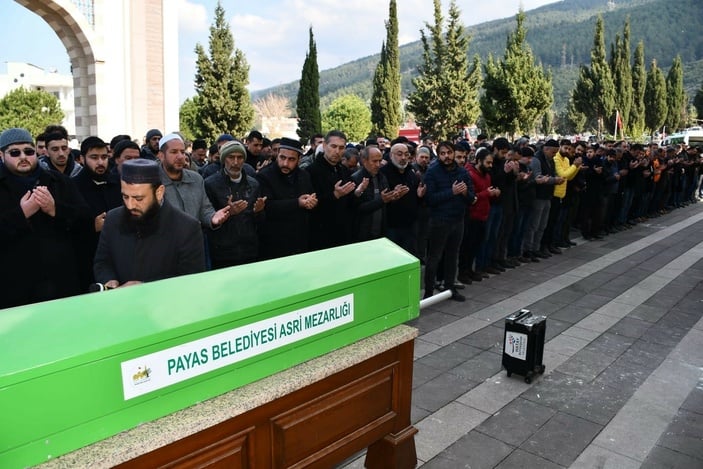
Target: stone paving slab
x=635, y=344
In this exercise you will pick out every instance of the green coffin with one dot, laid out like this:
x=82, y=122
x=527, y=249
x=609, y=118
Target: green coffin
x=78, y=370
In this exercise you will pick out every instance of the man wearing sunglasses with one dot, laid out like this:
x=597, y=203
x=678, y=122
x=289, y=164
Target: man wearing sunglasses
x=41, y=217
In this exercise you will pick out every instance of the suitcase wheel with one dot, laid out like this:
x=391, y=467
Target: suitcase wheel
x=541, y=369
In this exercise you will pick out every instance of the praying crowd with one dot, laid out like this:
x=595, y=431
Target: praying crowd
x=113, y=214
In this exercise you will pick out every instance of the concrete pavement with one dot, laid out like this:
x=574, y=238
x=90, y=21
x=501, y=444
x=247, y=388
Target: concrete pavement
x=623, y=386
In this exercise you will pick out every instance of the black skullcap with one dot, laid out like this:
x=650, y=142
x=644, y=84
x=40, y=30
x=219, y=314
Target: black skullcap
x=141, y=171
x=292, y=144
x=551, y=143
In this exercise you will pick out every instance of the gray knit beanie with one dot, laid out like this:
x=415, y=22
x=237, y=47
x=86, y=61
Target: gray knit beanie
x=14, y=135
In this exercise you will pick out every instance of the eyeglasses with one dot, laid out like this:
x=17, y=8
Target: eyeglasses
x=16, y=152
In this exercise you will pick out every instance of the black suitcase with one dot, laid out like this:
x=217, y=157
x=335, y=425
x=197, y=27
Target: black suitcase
x=523, y=341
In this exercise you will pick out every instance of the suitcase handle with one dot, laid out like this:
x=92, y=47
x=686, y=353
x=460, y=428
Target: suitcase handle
x=523, y=313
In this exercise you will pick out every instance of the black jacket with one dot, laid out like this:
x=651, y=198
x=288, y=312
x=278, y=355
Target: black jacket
x=169, y=245
x=287, y=226
x=236, y=240
x=40, y=254
x=403, y=212
x=369, y=206
x=330, y=221
x=101, y=197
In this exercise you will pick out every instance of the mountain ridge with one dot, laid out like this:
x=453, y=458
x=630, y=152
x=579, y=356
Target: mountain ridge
x=560, y=36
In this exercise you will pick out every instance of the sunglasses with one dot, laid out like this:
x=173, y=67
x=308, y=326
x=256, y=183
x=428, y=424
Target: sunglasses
x=16, y=152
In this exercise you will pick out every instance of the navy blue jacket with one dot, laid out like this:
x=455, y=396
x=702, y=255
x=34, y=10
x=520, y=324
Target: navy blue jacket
x=444, y=205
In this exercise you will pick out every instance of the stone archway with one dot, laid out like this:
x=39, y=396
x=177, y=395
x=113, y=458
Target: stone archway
x=77, y=35
x=123, y=59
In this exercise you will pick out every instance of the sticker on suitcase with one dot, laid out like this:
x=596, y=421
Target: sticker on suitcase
x=516, y=345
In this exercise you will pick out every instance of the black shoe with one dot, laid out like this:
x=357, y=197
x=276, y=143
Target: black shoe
x=465, y=279
x=513, y=262
x=505, y=264
x=475, y=276
x=524, y=259
x=459, y=285
x=543, y=254
x=554, y=250
x=498, y=267
x=491, y=270
x=456, y=296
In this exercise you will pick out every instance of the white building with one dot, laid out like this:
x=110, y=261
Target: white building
x=124, y=62
x=32, y=77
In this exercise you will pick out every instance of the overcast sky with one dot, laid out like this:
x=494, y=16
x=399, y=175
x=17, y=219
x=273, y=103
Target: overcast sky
x=273, y=34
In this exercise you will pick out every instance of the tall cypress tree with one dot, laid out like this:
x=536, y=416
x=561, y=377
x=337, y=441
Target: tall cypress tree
x=446, y=89
x=221, y=80
x=622, y=74
x=655, y=98
x=518, y=91
x=385, y=100
x=675, y=97
x=594, y=94
x=308, y=102
x=636, y=124
x=698, y=102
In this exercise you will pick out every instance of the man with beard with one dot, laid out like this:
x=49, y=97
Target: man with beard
x=151, y=148
x=147, y=238
x=449, y=192
x=477, y=216
x=184, y=189
x=330, y=222
x=235, y=193
x=41, y=218
x=423, y=156
x=289, y=199
x=101, y=190
x=403, y=212
x=372, y=194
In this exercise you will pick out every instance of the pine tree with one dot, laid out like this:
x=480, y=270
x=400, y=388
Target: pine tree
x=622, y=74
x=187, y=118
x=675, y=97
x=655, y=98
x=385, y=100
x=698, y=101
x=636, y=123
x=518, y=92
x=446, y=89
x=576, y=120
x=308, y=102
x=594, y=94
x=221, y=81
